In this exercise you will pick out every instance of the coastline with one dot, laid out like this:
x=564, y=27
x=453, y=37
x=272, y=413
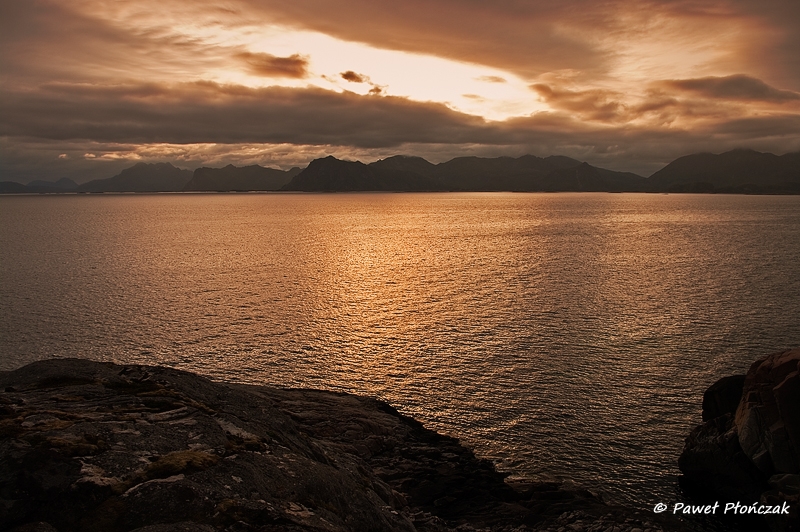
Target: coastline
x=99, y=446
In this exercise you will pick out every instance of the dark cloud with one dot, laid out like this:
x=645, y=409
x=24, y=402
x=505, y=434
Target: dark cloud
x=121, y=123
x=761, y=127
x=738, y=87
x=67, y=85
x=525, y=37
x=595, y=104
x=537, y=36
x=209, y=112
x=353, y=77
x=43, y=40
x=268, y=65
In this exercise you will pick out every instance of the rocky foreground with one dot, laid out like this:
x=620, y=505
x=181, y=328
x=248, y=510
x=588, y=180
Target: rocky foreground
x=90, y=446
x=748, y=448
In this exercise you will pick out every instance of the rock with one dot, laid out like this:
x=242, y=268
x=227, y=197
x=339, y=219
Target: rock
x=784, y=489
x=91, y=446
x=723, y=397
x=714, y=465
x=768, y=417
x=101, y=447
x=753, y=455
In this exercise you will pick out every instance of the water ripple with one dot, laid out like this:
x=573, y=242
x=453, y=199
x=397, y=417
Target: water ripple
x=562, y=335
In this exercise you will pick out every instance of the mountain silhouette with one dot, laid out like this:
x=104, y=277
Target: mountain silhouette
x=737, y=171
x=64, y=184
x=331, y=174
x=142, y=177
x=38, y=187
x=232, y=178
x=402, y=173
x=744, y=171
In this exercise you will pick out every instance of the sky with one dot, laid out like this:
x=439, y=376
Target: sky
x=89, y=87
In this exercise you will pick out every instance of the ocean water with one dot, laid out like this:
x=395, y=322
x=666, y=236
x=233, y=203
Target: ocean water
x=564, y=336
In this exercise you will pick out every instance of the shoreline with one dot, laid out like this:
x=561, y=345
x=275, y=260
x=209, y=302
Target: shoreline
x=99, y=446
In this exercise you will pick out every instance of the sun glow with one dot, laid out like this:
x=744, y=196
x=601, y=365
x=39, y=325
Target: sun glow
x=469, y=88
x=208, y=49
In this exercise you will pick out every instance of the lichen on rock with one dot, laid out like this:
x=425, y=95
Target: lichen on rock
x=89, y=446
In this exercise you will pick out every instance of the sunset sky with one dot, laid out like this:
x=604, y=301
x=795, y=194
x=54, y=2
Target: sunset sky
x=88, y=87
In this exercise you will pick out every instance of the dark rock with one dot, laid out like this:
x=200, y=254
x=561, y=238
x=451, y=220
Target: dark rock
x=99, y=447
x=768, y=417
x=92, y=446
x=714, y=465
x=35, y=527
x=754, y=454
x=723, y=397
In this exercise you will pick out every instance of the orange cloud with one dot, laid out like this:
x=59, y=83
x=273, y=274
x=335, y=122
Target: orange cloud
x=594, y=104
x=268, y=65
x=738, y=87
x=353, y=77
x=733, y=78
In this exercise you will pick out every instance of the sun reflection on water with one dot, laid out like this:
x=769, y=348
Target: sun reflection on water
x=562, y=335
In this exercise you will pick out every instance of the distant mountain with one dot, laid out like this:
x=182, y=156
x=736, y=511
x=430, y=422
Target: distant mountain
x=12, y=187
x=402, y=173
x=330, y=174
x=142, y=177
x=232, y=178
x=534, y=174
x=64, y=184
x=38, y=187
x=737, y=171
x=742, y=171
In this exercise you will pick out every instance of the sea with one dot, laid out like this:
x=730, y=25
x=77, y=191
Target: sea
x=563, y=336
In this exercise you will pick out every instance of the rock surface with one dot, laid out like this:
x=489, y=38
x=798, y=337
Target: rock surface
x=749, y=446
x=99, y=447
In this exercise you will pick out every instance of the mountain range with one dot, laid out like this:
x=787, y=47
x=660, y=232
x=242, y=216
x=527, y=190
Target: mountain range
x=737, y=171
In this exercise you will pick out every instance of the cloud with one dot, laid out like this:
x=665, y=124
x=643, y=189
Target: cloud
x=538, y=36
x=268, y=65
x=200, y=123
x=45, y=40
x=209, y=112
x=594, y=104
x=353, y=77
x=737, y=87
x=73, y=71
x=525, y=37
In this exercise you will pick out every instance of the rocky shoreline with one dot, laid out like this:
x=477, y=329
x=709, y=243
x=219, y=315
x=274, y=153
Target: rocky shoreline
x=95, y=446
x=748, y=447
